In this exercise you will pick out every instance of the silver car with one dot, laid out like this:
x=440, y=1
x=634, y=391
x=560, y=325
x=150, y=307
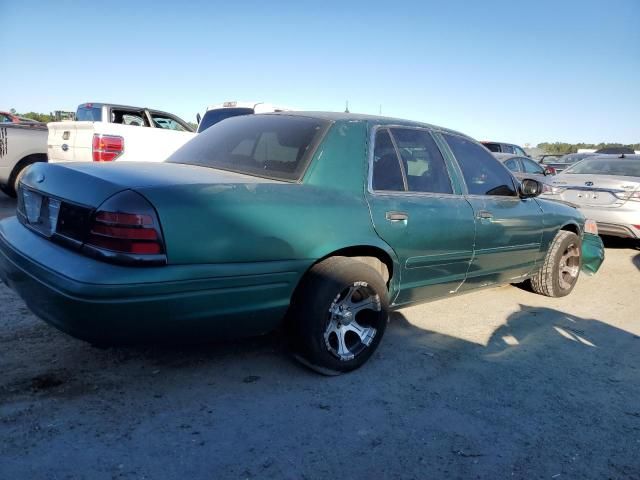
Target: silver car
x=605, y=188
x=524, y=167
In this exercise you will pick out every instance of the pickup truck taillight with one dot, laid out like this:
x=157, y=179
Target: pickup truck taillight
x=125, y=229
x=106, y=148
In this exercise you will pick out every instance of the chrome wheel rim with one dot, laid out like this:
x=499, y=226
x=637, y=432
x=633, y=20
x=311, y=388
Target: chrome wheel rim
x=352, y=317
x=569, y=266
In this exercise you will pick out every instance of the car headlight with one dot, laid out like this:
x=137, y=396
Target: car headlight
x=590, y=226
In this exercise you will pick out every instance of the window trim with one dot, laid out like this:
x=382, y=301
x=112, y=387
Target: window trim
x=466, y=193
x=406, y=192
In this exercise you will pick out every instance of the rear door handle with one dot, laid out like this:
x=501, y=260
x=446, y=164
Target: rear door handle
x=485, y=214
x=397, y=216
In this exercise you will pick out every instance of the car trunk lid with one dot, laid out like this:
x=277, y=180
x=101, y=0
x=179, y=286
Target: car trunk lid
x=595, y=190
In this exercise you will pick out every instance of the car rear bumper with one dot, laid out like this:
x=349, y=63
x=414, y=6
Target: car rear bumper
x=104, y=303
x=617, y=221
x=592, y=253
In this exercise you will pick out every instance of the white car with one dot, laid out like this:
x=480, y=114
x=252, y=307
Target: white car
x=21, y=144
x=106, y=132
x=217, y=113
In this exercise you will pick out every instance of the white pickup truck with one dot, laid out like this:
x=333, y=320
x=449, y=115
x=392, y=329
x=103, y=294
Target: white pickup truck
x=21, y=144
x=105, y=132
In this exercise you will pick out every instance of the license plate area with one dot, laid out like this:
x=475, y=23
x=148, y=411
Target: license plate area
x=40, y=211
x=590, y=197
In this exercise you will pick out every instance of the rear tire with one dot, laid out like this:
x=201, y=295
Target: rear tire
x=561, y=267
x=338, y=315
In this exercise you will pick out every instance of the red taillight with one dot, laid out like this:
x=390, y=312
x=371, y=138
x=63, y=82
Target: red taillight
x=125, y=229
x=106, y=148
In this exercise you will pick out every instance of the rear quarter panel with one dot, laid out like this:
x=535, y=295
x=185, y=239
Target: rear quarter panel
x=18, y=142
x=557, y=216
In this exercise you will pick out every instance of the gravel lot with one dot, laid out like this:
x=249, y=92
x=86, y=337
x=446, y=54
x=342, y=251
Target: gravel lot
x=495, y=384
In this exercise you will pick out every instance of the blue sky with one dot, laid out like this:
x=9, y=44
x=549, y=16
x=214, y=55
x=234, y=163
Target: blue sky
x=525, y=72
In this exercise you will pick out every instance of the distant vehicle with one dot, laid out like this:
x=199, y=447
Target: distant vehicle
x=524, y=167
x=501, y=147
x=8, y=117
x=562, y=162
x=217, y=113
x=20, y=146
x=104, y=132
x=616, y=151
x=607, y=189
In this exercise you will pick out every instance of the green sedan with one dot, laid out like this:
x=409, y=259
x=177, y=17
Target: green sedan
x=317, y=222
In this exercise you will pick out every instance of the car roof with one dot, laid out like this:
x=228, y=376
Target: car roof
x=373, y=119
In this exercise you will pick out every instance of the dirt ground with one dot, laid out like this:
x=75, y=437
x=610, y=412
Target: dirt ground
x=495, y=384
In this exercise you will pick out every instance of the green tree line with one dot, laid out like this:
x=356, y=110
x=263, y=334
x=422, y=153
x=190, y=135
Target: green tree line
x=562, y=148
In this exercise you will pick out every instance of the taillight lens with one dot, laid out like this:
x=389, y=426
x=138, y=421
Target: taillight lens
x=125, y=229
x=629, y=195
x=106, y=148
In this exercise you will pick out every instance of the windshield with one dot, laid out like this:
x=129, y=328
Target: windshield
x=271, y=146
x=617, y=166
x=214, y=116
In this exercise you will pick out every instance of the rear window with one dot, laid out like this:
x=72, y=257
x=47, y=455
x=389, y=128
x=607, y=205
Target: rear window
x=87, y=113
x=271, y=146
x=214, y=116
x=597, y=166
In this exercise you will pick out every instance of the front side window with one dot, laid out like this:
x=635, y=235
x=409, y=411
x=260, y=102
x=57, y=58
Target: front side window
x=508, y=149
x=423, y=163
x=387, y=175
x=531, y=166
x=493, y=147
x=271, y=146
x=483, y=174
x=519, y=151
x=167, y=122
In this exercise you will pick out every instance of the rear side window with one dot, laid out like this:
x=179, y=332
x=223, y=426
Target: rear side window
x=211, y=117
x=531, y=166
x=271, y=146
x=483, y=174
x=512, y=165
x=493, y=147
x=386, y=166
x=422, y=161
x=87, y=113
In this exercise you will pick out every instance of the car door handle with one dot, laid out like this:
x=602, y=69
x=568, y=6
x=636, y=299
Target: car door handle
x=485, y=214
x=397, y=216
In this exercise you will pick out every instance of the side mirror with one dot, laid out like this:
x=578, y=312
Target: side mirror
x=198, y=118
x=530, y=188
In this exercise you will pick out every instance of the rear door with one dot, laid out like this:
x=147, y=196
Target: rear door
x=419, y=212
x=508, y=228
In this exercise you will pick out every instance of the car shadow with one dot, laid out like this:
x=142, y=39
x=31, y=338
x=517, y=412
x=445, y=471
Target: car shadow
x=543, y=390
x=620, y=243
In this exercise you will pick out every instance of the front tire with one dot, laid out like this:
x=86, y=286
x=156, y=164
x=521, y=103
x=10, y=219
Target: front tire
x=338, y=315
x=561, y=267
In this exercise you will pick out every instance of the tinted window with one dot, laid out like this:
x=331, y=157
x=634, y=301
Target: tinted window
x=512, y=165
x=386, y=167
x=422, y=161
x=89, y=114
x=494, y=147
x=214, y=116
x=483, y=174
x=272, y=146
x=508, y=149
x=531, y=167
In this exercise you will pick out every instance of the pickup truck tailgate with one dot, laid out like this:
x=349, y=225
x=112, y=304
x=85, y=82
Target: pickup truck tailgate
x=70, y=141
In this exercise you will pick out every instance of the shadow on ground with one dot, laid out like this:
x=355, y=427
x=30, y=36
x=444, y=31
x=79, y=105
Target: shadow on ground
x=549, y=394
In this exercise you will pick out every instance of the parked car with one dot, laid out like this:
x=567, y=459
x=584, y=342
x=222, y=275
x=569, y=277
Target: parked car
x=20, y=146
x=501, y=147
x=105, y=132
x=606, y=188
x=562, y=162
x=217, y=113
x=524, y=167
x=8, y=117
x=322, y=221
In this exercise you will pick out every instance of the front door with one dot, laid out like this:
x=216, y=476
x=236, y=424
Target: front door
x=418, y=212
x=508, y=228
